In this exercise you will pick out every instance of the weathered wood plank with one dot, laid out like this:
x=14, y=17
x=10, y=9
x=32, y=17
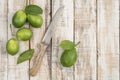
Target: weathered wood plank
x=44, y=72
x=64, y=30
x=108, y=39
x=16, y=72
x=3, y=40
x=85, y=32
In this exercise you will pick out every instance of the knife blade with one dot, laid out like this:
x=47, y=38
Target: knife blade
x=45, y=41
x=48, y=35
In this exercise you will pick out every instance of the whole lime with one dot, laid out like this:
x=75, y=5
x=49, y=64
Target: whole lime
x=12, y=46
x=24, y=34
x=68, y=58
x=35, y=21
x=19, y=19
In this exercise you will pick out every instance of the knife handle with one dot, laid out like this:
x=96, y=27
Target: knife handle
x=36, y=65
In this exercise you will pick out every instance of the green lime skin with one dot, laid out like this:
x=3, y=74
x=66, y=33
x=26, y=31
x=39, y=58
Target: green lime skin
x=35, y=21
x=12, y=46
x=68, y=58
x=19, y=19
x=24, y=34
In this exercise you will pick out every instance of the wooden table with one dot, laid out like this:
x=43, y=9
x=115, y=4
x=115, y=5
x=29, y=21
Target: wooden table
x=95, y=23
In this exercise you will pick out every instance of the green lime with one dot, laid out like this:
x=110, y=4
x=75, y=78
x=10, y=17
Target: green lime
x=68, y=58
x=19, y=19
x=35, y=20
x=24, y=34
x=12, y=46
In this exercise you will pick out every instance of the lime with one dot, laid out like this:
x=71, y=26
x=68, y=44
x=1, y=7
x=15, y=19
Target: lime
x=68, y=58
x=19, y=19
x=35, y=21
x=24, y=34
x=12, y=46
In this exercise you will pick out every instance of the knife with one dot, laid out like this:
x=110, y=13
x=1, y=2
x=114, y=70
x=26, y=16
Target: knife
x=45, y=42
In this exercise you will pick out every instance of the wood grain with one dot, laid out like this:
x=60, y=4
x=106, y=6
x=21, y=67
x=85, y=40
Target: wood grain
x=16, y=72
x=95, y=23
x=63, y=30
x=108, y=39
x=44, y=72
x=85, y=32
x=3, y=40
